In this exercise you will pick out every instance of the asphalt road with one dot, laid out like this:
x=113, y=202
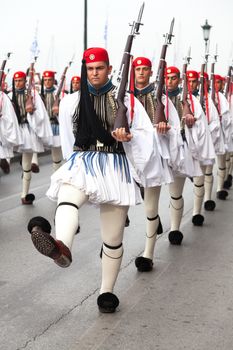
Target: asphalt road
x=186, y=302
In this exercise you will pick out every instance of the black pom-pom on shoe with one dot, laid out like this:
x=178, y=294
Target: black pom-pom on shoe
x=101, y=252
x=142, y=192
x=226, y=185
x=40, y=222
x=222, y=194
x=229, y=179
x=175, y=237
x=198, y=220
x=28, y=199
x=160, y=228
x=107, y=302
x=209, y=205
x=143, y=264
x=78, y=230
x=127, y=221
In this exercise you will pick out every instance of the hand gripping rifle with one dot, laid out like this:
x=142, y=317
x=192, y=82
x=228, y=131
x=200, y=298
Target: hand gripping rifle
x=30, y=106
x=121, y=119
x=55, y=108
x=2, y=69
x=159, y=112
x=184, y=98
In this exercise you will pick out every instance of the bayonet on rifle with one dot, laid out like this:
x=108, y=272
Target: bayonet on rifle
x=122, y=78
x=168, y=38
x=136, y=25
x=159, y=111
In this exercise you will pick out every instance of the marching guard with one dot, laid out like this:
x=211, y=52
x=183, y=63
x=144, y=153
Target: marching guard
x=98, y=171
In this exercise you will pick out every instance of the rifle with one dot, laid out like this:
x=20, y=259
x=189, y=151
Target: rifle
x=202, y=80
x=228, y=82
x=55, y=108
x=201, y=89
x=3, y=68
x=213, y=80
x=184, y=98
x=30, y=106
x=159, y=112
x=121, y=119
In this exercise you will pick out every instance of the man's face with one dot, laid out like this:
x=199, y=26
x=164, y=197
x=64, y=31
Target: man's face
x=20, y=83
x=193, y=84
x=48, y=82
x=97, y=73
x=76, y=85
x=172, y=81
x=142, y=75
x=218, y=85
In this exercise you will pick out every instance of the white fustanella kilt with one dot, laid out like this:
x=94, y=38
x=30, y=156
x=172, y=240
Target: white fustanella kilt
x=30, y=141
x=103, y=177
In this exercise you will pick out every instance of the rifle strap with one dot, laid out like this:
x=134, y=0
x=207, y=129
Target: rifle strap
x=132, y=88
x=63, y=88
x=219, y=104
x=190, y=96
x=167, y=102
x=206, y=101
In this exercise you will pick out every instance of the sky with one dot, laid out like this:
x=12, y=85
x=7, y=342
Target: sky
x=58, y=27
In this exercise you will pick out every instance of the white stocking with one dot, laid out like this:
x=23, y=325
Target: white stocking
x=112, y=221
x=221, y=160
x=209, y=179
x=70, y=199
x=227, y=165
x=151, y=202
x=176, y=202
x=26, y=166
x=35, y=158
x=198, y=194
x=231, y=163
x=56, y=157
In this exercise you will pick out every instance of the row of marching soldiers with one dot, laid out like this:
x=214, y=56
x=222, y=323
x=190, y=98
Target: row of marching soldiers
x=29, y=124
x=184, y=145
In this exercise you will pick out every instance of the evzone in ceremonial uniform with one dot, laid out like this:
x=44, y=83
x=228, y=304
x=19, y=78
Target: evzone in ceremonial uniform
x=229, y=156
x=34, y=128
x=98, y=171
x=223, y=108
x=48, y=91
x=195, y=147
x=10, y=135
x=75, y=84
x=209, y=129
x=215, y=128
x=168, y=137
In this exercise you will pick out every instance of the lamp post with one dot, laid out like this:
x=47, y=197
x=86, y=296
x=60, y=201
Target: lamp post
x=85, y=24
x=206, y=34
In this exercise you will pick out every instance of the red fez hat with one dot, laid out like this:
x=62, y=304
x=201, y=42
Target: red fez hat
x=48, y=74
x=173, y=70
x=142, y=61
x=75, y=78
x=205, y=75
x=218, y=77
x=19, y=75
x=95, y=54
x=192, y=74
